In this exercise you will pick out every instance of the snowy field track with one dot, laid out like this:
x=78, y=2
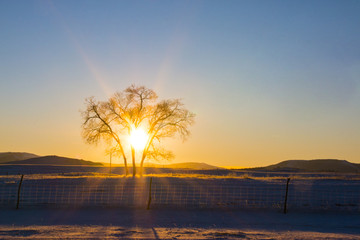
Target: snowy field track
x=175, y=224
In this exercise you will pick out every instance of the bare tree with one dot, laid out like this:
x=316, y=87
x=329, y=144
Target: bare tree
x=133, y=108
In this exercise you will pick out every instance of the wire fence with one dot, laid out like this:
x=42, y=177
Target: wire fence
x=172, y=192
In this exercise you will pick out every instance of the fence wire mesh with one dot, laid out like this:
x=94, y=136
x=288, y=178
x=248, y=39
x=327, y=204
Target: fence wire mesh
x=171, y=192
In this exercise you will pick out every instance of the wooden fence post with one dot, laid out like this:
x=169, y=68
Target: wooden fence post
x=286, y=195
x=149, y=199
x=19, y=190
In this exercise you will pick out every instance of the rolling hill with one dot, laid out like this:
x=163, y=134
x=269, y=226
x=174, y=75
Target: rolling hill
x=15, y=156
x=316, y=165
x=185, y=165
x=54, y=160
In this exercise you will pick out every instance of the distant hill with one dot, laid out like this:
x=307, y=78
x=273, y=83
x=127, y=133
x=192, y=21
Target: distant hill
x=15, y=156
x=316, y=165
x=55, y=160
x=185, y=165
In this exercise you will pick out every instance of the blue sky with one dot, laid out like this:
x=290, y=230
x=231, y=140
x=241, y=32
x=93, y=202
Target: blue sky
x=268, y=80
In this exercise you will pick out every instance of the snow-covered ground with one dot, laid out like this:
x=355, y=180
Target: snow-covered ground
x=182, y=207
x=176, y=224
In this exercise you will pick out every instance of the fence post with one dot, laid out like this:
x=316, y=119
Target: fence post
x=286, y=194
x=19, y=189
x=149, y=199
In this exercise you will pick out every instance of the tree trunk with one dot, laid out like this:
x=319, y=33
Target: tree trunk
x=125, y=161
x=126, y=167
x=141, y=171
x=133, y=160
x=110, y=161
x=142, y=163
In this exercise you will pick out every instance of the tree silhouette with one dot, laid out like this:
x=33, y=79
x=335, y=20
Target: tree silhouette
x=134, y=108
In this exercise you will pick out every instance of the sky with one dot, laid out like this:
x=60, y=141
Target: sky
x=268, y=80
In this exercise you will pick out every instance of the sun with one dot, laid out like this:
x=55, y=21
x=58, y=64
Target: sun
x=138, y=138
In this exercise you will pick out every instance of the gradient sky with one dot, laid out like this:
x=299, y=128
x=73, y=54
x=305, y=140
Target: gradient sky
x=268, y=80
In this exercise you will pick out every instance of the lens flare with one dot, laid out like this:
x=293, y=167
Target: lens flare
x=138, y=138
